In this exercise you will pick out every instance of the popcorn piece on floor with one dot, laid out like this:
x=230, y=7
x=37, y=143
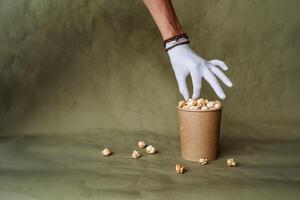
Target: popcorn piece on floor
x=135, y=155
x=179, y=168
x=141, y=144
x=231, y=162
x=203, y=161
x=106, y=152
x=150, y=149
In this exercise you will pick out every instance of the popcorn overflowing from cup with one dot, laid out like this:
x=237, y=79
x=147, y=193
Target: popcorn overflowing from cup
x=200, y=104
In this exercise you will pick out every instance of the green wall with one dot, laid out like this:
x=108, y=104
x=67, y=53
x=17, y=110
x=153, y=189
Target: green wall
x=82, y=66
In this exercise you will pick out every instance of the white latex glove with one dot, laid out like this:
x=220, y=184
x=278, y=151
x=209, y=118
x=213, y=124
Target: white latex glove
x=186, y=62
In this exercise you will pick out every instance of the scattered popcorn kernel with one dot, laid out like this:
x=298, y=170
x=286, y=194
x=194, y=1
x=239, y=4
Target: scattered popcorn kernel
x=106, y=152
x=150, y=149
x=135, y=155
x=179, y=169
x=231, y=162
x=141, y=144
x=203, y=161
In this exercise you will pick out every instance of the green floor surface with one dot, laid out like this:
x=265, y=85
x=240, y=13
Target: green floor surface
x=69, y=167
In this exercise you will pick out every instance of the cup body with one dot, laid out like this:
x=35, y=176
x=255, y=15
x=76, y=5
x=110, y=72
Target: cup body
x=199, y=134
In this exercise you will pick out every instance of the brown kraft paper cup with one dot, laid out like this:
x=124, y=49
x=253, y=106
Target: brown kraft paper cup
x=199, y=133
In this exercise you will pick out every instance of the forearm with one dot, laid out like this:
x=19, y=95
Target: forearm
x=165, y=17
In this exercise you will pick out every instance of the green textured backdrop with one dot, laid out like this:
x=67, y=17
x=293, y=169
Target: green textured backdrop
x=76, y=66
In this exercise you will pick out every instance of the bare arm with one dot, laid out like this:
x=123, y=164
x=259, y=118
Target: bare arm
x=165, y=17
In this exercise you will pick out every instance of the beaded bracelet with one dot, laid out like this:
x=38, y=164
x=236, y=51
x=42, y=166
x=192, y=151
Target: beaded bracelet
x=184, y=35
x=176, y=41
x=177, y=44
x=171, y=43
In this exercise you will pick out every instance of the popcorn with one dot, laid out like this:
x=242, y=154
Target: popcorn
x=204, y=108
x=150, y=149
x=179, y=168
x=203, y=161
x=231, y=162
x=106, y=152
x=135, y=155
x=191, y=102
x=181, y=104
x=210, y=104
x=201, y=100
x=193, y=107
x=218, y=104
x=141, y=144
x=200, y=104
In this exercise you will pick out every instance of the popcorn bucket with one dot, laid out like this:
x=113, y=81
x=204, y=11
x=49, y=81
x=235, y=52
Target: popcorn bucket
x=199, y=133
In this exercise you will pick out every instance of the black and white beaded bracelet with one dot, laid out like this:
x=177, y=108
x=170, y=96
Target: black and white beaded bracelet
x=176, y=41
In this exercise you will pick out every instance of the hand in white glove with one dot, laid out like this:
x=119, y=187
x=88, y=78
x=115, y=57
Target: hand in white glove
x=186, y=62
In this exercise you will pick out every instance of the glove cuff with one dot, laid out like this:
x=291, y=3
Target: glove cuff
x=176, y=41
